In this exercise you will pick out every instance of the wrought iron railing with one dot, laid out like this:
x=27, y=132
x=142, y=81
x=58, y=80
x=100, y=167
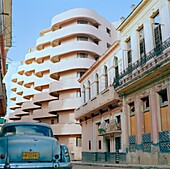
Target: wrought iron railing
x=143, y=60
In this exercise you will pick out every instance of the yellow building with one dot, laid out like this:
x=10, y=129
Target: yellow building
x=144, y=83
x=5, y=44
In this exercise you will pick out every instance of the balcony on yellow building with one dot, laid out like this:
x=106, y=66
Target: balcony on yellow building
x=101, y=101
x=153, y=65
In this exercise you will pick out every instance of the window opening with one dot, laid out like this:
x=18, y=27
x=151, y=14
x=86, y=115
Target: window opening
x=82, y=38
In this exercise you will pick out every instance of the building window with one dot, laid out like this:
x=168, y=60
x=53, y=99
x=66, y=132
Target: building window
x=89, y=88
x=132, y=118
x=146, y=115
x=118, y=122
x=157, y=31
x=78, y=93
x=82, y=38
x=84, y=93
x=142, y=42
x=78, y=141
x=117, y=143
x=116, y=67
x=82, y=22
x=145, y=101
x=106, y=76
x=97, y=84
x=129, y=52
x=100, y=144
x=52, y=121
x=163, y=97
x=89, y=145
x=80, y=74
x=108, y=31
x=57, y=118
x=164, y=115
x=82, y=55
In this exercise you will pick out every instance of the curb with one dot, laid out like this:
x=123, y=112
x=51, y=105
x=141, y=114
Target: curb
x=135, y=166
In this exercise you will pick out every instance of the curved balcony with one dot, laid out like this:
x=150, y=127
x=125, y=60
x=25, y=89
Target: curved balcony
x=42, y=113
x=43, y=54
x=57, y=86
x=30, y=56
x=21, y=69
x=43, y=67
x=66, y=129
x=45, y=31
x=71, y=64
x=70, y=31
x=83, y=29
x=30, y=68
x=74, y=14
x=12, y=116
x=42, y=97
x=13, y=105
x=17, y=78
x=19, y=112
x=76, y=46
x=14, y=77
x=20, y=81
x=65, y=104
x=29, y=93
x=43, y=40
x=14, y=87
x=42, y=82
x=105, y=98
x=29, y=105
x=20, y=90
x=20, y=100
x=28, y=118
x=29, y=80
x=13, y=96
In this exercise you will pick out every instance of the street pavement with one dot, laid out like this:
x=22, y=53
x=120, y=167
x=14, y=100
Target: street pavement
x=84, y=165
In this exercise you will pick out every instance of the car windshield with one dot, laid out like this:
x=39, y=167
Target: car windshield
x=27, y=130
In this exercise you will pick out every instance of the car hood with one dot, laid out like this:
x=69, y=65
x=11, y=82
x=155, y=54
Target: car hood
x=35, y=148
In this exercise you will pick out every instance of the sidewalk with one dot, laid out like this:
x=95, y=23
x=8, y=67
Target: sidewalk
x=135, y=166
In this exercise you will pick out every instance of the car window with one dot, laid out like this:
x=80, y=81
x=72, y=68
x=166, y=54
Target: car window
x=27, y=130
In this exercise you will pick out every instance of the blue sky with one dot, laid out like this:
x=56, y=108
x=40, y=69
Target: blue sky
x=32, y=16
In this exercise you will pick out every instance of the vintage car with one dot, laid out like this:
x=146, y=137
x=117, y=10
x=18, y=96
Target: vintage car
x=31, y=145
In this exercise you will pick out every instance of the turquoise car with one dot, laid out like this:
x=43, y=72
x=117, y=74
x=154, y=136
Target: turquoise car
x=32, y=146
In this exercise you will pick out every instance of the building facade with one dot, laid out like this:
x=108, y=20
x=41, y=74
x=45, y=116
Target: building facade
x=5, y=44
x=100, y=115
x=144, y=83
x=46, y=87
x=139, y=107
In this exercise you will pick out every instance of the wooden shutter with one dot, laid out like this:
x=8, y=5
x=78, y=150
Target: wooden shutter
x=147, y=122
x=165, y=122
x=133, y=125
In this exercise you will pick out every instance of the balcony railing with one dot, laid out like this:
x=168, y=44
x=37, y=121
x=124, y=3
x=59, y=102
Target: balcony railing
x=142, y=61
x=109, y=128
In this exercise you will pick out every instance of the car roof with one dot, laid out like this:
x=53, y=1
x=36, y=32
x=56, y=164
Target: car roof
x=24, y=123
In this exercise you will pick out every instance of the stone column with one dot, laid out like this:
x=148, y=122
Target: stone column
x=154, y=107
x=139, y=119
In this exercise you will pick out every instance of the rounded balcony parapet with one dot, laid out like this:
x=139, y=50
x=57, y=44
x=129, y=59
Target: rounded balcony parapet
x=62, y=85
x=76, y=46
x=64, y=104
x=77, y=13
x=71, y=64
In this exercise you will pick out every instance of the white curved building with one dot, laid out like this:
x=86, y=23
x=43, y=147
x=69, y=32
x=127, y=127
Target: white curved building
x=48, y=79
